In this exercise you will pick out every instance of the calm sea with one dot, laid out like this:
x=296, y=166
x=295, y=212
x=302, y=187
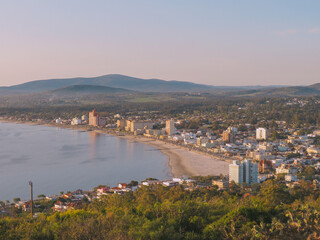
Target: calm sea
x=57, y=159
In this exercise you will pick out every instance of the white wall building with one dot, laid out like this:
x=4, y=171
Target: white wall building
x=290, y=178
x=261, y=133
x=84, y=118
x=76, y=121
x=59, y=120
x=236, y=172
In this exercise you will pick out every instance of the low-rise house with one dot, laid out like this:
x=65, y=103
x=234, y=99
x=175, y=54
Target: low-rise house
x=122, y=185
x=182, y=180
x=116, y=190
x=59, y=120
x=277, y=162
x=76, y=121
x=286, y=169
x=290, y=178
x=222, y=185
x=313, y=150
x=102, y=190
x=151, y=182
x=59, y=207
x=170, y=183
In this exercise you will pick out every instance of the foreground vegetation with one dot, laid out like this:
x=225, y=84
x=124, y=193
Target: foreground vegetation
x=267, y=211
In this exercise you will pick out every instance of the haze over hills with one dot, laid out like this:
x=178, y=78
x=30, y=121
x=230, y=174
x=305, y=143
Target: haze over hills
x=124, y=82
x=116, y=83
x=112, y=80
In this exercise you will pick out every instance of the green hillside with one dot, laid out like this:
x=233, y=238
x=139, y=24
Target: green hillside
x=269, y=211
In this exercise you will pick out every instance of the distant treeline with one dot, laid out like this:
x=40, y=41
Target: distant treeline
x=299, y=112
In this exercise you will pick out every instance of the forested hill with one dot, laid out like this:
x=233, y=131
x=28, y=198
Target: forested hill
x=267, y=211
x=118, y=81
x=114, y=81
x=123, y=82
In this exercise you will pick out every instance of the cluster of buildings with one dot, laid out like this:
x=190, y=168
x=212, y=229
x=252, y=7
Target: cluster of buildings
x=146, y=128
x=64, y=202
x=264, y=156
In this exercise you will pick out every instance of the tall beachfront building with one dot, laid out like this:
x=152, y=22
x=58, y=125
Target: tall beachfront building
x=95, y=119
x=245, y=172
x=170, y=127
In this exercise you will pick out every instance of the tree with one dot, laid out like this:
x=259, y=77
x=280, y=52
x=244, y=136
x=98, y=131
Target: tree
x=16, y=200
x=41, y=196
x=275, y=136
x=134, y=183
x=274, y=193
x=307, y=173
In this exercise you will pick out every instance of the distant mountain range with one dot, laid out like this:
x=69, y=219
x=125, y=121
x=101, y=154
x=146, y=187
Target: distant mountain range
x=120, y=81
x=115, y=83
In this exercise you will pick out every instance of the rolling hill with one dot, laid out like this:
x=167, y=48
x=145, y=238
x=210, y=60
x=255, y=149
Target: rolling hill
x=280, y=92
x=116, y=83
x=315, y=86
x=112, y=80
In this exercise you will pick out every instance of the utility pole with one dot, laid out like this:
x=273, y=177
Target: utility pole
x=31, y=193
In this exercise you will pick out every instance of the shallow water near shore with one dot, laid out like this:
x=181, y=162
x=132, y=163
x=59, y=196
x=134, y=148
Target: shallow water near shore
x=57, y=159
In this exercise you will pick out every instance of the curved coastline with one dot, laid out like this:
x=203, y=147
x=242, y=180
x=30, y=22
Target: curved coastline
x=181, y=161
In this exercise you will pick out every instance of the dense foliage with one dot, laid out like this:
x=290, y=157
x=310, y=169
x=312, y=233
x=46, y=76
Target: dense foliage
x=267, y=211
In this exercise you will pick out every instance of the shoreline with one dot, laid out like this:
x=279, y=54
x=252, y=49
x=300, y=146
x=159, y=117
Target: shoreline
x=180, y=160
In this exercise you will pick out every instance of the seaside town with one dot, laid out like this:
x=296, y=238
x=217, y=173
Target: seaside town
x=253, y=153
x=160, y=120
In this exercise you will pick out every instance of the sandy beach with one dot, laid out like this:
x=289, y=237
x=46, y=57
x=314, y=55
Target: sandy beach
x=181, y=161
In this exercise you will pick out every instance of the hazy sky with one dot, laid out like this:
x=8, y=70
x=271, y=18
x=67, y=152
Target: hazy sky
x=218, y=42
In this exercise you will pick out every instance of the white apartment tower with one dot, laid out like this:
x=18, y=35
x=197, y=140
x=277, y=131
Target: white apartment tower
x=246, y=172
x=236, y=172
x=261, y=133
x=170, y=127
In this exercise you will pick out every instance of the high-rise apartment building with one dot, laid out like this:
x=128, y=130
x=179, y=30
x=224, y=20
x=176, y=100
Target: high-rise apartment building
x=236, y=172
x=229, y=135
x=95, y=119
x=121, y=124
x=170, y=127
x=245, y=172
